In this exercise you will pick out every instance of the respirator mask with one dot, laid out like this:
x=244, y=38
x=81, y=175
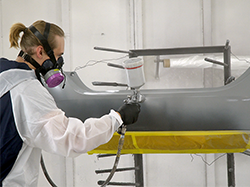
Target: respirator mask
x=51, y=69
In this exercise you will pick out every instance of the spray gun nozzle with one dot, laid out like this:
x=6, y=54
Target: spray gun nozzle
x=136, y=97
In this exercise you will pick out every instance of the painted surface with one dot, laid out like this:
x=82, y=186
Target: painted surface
x=199, y=109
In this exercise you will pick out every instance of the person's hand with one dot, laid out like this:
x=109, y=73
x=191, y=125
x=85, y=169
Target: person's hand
x=129, y=113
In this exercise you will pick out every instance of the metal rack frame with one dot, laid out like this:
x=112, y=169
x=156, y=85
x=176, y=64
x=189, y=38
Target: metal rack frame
x=226, y=50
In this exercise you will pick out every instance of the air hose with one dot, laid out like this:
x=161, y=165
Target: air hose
x=46, y=173
x=118, y=154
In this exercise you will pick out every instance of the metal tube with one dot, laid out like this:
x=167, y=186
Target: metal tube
x=246, y=153
x=157, y=67
x=215, y=62
x=97, y=83
x=111, y=50
x=227, y=74
x=139, y=172
x=115, y=65
x=117, y=170
x=227, y=60
x=118, y=183
x=105, y=155
x=176, y=51
x=230, y=170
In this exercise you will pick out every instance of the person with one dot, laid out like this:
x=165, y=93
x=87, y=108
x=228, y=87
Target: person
x=30, y=120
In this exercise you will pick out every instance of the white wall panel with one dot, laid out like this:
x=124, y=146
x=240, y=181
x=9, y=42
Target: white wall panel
x=1, y=30
x=231, y=20
x=172, y=23
x=174, y=170
x=26, y=12
x=99, y=23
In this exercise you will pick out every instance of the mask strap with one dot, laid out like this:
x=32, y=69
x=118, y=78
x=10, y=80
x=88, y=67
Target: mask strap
x=44, y=41
x=29, y=59
x=38, y=76
x=46, y=31
x=34, y=63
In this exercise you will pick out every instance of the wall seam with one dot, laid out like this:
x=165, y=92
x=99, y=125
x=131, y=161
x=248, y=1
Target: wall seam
x=1, y=29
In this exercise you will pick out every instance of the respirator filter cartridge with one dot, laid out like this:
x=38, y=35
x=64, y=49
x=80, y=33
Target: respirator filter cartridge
x=135, y=73
x=53, y=78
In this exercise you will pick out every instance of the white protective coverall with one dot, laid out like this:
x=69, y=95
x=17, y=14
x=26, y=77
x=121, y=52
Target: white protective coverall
x=43, y=126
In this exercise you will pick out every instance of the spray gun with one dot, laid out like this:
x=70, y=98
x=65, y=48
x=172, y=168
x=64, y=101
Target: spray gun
x=136, y=79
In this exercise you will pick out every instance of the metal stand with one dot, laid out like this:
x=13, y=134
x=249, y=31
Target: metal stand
x=139, y=171
x=226, y=50
x=230, y=170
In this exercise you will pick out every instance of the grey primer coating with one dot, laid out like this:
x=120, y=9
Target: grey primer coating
x=198, y=109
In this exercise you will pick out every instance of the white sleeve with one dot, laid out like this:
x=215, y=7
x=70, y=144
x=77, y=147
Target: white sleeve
x=41, y=124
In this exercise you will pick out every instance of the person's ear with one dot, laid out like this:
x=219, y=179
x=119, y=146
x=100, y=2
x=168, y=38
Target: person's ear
x=39, y=52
